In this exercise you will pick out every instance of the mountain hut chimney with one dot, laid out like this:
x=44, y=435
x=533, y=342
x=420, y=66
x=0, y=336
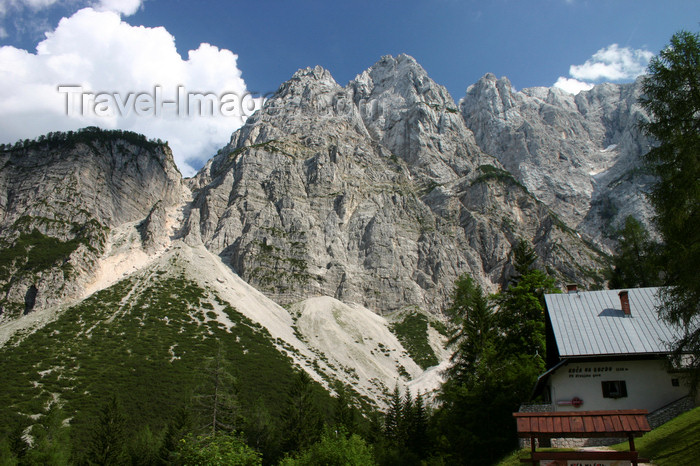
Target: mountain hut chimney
x=625, y=302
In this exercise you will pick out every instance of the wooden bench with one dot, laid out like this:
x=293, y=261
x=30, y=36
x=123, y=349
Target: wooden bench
x=583, y=424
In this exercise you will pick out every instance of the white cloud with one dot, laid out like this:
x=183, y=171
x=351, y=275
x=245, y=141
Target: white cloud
x=33, y=4
x=101, y=53
x=612, y=63
x=573, y=86
x=124, y=7
x=30, y=18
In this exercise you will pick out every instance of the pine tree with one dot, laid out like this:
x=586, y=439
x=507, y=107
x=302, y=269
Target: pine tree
x=672, y=98
x=406, y=418
x=344, y=410
x=178, y=426
x=109, y=435
x=523, y=257
x=418, y=432
x=51, y=440
x=260, y=429
x=217, y=398
x=635, y=265
x=303, y=419
x=392, y=419
x=474, y=335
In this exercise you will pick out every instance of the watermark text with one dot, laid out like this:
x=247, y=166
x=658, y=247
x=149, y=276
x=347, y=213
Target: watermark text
x=154, y=103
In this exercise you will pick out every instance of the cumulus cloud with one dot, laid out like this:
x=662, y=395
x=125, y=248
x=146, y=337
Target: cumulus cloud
x=612, y=63
x=124, y=7
x=572, y=86
x=95, y=69
x=29, y=19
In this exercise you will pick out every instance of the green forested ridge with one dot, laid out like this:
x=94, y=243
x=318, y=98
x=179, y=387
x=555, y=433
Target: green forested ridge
x=146, y=348
x=87, y=135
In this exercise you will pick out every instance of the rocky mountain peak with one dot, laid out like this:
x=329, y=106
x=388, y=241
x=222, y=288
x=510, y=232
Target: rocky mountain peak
x=402, y=78
x=316, y=76
x=574, y=153
x=376, y=193
x=61, y=195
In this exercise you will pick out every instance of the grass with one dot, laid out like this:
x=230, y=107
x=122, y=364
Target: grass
x=676, y=443
x=514, y=458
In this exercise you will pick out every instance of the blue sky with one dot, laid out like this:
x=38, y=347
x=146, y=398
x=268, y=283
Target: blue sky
x=255, y=46
x=457, y=42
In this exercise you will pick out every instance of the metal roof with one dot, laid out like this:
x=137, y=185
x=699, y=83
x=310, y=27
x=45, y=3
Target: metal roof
x=592, y=323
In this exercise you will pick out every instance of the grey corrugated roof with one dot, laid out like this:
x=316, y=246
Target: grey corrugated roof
x=588, y=323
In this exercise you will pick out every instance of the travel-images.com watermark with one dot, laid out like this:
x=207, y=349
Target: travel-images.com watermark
x=80, y=102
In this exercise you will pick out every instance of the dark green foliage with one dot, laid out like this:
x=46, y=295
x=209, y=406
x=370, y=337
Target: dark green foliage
x=636, y=264
x=216, y=398
x=26, y=252
x=262, y=430
x=345, y=414
x=412, y=332
x=145, y=447
x=474, y=323
x=178, y=427
x=335, y=448
x=150, y=349
x=393, y=418
x=524, y=258
x=303, y=420
x=490, y=172
x=32, y=252
x=499, y=353
x=405, y=430
x=520, y=316
x=216, y=449
x=106, y=444
x=51, y=441
x=87, y=135
x=672, y=98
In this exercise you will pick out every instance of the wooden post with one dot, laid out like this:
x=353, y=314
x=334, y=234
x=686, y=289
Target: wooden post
x=533, y=447
x=631, y=439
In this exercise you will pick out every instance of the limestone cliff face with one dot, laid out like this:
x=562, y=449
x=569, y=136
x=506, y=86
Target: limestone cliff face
x=379, y=193
x=59, y=198
x=374, y=193
x=580, y=155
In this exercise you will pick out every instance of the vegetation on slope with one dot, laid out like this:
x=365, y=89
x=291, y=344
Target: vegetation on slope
x=144, y=341
x=676, y=443
x=87, y=135
x=412, y=332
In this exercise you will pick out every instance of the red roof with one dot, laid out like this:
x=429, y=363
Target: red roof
x=584, y=424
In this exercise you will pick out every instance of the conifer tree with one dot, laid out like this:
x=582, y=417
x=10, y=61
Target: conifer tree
x=303, y=419
x=392, y=420
x=217, y=397
x=418, y=431
x=636, y=264
x=672, y=98
x=344, y=410
x=109, y=435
